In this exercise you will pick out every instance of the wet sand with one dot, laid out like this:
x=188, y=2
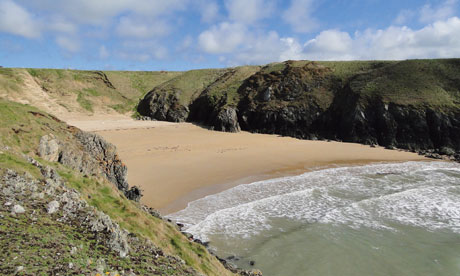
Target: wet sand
x=178, y=163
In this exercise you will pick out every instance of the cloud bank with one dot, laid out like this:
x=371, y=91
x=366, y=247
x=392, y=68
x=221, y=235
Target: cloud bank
x=232, y=32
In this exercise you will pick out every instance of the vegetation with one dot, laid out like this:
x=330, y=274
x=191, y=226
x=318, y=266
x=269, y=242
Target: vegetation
x=21, y=127
x=190, y=84
x=83, y=91
x=411, y=82
x=225, y=89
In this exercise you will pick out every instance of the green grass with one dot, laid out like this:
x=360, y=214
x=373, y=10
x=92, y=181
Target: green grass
x=91, y=92
x=21, y=126
x=43, y=246
x=431, y=83
x=97, y=191
x=78, y=89
x=18, y=164
x=190, y=84
x=84, y=102
x=226, y=89
x=10, y=80
x=107, y=199
x=33, y=72
x=407, y=82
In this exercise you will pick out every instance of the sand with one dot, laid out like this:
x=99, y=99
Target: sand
x=175, y=163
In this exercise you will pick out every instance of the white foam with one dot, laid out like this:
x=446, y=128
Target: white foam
x=421, y=194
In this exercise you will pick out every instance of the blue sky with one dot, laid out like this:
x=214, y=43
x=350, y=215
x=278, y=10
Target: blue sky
x=188, y=34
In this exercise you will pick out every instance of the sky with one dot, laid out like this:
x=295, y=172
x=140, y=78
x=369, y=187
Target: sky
x=189, y=34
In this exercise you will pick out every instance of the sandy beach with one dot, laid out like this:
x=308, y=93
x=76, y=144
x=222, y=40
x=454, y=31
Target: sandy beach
x=175, y=163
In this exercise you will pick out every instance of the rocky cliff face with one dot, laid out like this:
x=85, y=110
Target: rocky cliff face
x=163, y=106
x=91, y=156
x=412, y=105
x=286, y=102
x=392, y=125
x=71, y=236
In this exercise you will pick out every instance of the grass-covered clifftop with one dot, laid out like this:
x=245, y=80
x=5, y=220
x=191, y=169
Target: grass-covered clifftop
x=410, y=104
x=69, y=91
x=77, y=238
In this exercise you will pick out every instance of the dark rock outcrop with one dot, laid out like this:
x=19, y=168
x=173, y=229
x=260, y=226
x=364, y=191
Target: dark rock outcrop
x=91, y=156
x=163, y=106
x=217, y=116
x=105, y=154
x=394, y=126
x=411, y=105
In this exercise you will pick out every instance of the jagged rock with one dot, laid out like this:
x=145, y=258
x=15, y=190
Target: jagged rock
x=53, y=207
x=48, y=148
x=160, y=105
x=18, y=209
x=118, y=238
x=134, y=194
x=106, y=156
x=92, y=156
x=227, y=120
x=267, y=94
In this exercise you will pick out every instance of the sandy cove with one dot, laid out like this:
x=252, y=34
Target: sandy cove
x=175, y=163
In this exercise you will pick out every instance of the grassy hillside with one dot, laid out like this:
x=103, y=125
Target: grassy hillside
x=21, y=127
x=432, y=83
x=79, y=91
x=189, y=85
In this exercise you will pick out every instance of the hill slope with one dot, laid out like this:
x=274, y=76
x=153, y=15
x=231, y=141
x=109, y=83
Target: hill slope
x=412, y=104
x=67, y=92
x=63, y=207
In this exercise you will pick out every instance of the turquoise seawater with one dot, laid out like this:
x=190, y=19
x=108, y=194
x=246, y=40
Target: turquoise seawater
x=381, y=219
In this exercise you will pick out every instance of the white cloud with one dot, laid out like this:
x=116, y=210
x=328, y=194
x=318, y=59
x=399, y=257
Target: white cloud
x=101, y=12
x=299, y=16
x=330, y=44
x=71, y=45
x=16, y=20
x=223, y=38
x=238, y=45
x=266, y=48
x=430, y=14
x=103, y=52
x=249, y=11
x=129, y=27
x=438, y=40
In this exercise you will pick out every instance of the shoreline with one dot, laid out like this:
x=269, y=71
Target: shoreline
x=202, y=192
x=176, y=163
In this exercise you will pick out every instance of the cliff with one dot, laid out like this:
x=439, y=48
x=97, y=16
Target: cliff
x=66, y=207
x=412, y=105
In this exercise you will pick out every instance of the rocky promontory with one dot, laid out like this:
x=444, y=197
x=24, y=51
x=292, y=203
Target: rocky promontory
x=66, y=207
x=412, y=105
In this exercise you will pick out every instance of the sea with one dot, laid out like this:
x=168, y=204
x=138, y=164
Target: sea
x=378, y=219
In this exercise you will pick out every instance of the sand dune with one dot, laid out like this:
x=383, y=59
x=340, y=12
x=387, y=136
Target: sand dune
x=177, y=163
